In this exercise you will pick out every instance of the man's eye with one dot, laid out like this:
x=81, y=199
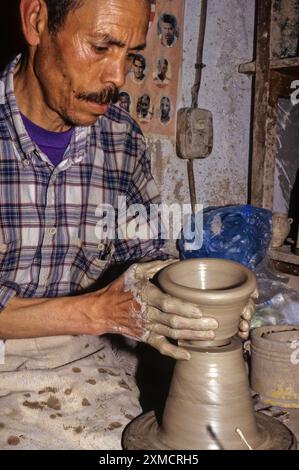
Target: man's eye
x=100, y=49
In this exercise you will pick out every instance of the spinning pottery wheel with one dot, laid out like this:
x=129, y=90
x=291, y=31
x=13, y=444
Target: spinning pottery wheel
x=209, y=404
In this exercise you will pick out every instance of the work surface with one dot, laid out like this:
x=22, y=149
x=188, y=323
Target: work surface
x=289, y=417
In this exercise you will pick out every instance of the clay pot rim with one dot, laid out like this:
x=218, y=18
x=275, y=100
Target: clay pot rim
x=209, y=296
x=258, y=338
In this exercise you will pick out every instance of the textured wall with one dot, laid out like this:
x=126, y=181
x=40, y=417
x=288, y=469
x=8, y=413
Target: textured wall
x=221, y=178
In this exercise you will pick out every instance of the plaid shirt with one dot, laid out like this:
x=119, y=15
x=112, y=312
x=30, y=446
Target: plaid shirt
x=48, y=215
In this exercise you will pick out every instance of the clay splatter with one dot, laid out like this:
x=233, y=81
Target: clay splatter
x=33, y=405
x=114, y=425
x=123, y=384
x=48, y=390
x=13, y=441
x=53, y=403
x=91, y=381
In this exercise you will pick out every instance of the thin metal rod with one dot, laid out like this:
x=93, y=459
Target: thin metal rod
x=200, y=46
x=241, y=435
x=192, y=185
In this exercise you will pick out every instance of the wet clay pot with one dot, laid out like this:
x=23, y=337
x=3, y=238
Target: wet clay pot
x=275, y=364
x=209, y=403
x=221, y=289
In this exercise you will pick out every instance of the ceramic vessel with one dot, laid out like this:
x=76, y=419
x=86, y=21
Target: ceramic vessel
x=221, y=289
x=281, y=225
x=275, y=349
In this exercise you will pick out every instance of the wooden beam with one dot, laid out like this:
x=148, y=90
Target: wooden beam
x=262, y=90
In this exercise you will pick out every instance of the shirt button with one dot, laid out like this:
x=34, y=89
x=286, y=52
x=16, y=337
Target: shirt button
x=101, y=246
x=26, y=162
x=52, y=231
x=3, y=248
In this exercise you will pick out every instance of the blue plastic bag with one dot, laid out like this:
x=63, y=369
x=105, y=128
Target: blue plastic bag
x=239, y=233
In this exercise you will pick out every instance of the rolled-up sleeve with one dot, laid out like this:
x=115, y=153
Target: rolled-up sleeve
x=8, y=290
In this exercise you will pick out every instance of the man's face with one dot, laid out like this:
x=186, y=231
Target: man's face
x=124, y=103
x=168, y=33
x=165, y=108
x=138, y=69
x=81, y=68
x=164, y=70
x=145, y=105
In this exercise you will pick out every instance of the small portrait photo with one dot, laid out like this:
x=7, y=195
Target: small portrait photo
x=137, y=73
x=165, y=111
x=168, y=30
x=144, y=108
x=124, y=101
x=162, y=73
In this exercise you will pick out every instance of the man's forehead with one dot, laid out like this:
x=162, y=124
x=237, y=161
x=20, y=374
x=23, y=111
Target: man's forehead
x=108, y=7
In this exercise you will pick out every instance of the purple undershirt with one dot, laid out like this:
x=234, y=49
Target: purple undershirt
x=53, y=144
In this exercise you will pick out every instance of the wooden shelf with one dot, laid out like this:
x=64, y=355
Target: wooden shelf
x=284, y=254
x=289, y=65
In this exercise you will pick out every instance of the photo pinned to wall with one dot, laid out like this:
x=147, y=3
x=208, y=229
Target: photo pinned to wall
x=151, y=89
x=162, y=72
x=145, y=108
x=125, y=101
x=138, y=70
x=165, y=111
x=168, y=30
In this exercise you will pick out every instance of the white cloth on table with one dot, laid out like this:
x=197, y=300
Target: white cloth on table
x=67, y=392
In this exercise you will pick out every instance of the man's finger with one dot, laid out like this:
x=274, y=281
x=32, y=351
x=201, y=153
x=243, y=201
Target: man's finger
x=243, y=334
x=148, y=270
x=177, y=322
x=244, y=326
x=249, y=310
x=154, y=297
x=180, y=334
x=166, y=349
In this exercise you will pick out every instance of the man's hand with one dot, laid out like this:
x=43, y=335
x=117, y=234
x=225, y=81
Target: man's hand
x=247, y=315
x=133, y=306
x=165, y=316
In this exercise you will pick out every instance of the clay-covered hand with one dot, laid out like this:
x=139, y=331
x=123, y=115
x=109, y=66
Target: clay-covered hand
x=164, y=316
x=247, y=315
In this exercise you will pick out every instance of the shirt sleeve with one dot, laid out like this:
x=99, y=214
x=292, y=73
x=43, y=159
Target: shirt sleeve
x=140, y=228
x=8, y=290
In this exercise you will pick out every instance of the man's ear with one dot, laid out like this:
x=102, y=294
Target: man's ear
x=34, y=17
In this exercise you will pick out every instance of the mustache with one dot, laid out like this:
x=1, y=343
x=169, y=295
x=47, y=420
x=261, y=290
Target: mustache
x=105, y=96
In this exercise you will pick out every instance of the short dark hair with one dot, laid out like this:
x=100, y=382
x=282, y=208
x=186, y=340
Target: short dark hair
x=124, y=94
x=141, y=59
x=170, y=19
x=58, y=11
